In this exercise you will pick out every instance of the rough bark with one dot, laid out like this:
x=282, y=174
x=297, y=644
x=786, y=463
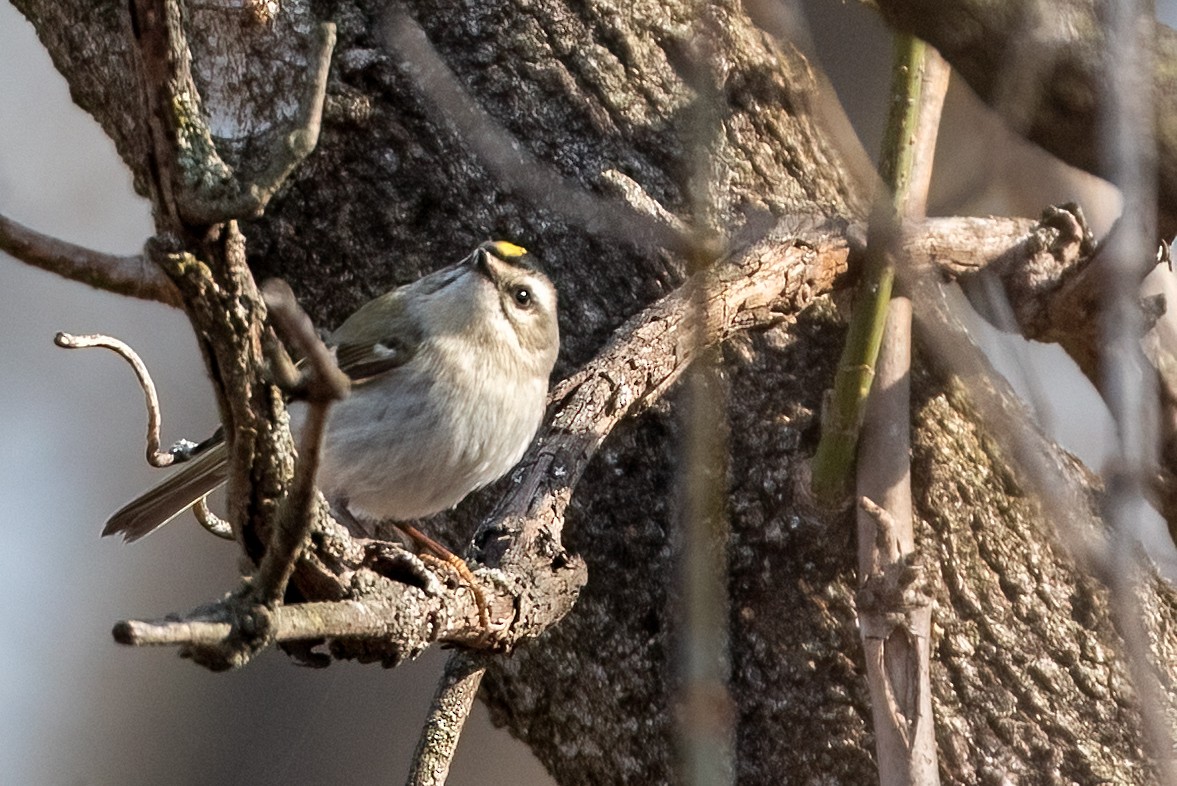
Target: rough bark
x=1027, y=679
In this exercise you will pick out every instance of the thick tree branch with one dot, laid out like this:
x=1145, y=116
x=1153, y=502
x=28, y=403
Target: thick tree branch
x=769, y=282
x=193, y=183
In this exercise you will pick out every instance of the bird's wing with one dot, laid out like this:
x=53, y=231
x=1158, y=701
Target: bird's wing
x=379, y=337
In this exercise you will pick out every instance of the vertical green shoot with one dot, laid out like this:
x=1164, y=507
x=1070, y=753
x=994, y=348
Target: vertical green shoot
x=833, y=464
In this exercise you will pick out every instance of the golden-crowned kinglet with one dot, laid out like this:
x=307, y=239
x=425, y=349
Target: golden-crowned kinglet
x=450, y=379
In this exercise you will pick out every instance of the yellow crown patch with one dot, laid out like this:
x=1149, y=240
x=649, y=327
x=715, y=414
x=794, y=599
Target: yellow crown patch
x=505, y=249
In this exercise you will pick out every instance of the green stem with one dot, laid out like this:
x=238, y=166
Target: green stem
x=833, y=464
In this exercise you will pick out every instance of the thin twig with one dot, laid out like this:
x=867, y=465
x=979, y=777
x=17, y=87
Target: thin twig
x=895, y=618
x=325, y=384
x=212, y=627
x=133, y=276
x=447, y=715
x=194, y=632
x=833, y=462
x=182, y=450
x=935, y=74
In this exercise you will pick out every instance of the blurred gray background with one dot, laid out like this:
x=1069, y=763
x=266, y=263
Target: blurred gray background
x=75, y=708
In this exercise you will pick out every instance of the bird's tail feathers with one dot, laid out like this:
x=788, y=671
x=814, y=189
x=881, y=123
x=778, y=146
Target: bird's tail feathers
x=178, y=492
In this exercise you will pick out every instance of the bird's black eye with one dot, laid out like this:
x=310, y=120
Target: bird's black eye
x=523, y=297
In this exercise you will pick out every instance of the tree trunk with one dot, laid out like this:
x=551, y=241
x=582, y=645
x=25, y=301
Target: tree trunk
x=1027, y=678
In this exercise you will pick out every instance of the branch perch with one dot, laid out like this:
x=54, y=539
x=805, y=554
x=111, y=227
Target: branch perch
x=528, y=580
x=212, y=626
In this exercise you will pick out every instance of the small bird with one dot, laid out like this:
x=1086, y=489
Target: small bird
x=449, y=385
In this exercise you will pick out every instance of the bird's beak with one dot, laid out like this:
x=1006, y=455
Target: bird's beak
x=494, y=257
x=480, y=260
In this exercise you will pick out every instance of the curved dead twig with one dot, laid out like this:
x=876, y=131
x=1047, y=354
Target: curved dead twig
x=182, y=450
x=211, y=522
